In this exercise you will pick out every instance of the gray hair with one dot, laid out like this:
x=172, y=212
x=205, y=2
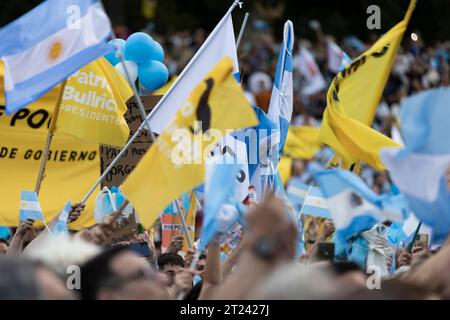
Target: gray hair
x=18, y=279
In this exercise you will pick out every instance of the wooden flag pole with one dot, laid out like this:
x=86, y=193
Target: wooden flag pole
x=51, y=133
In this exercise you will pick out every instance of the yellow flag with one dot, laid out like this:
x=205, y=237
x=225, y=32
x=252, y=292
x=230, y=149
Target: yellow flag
x=94, y=103
x=302, y=142
x=285, y=169
x=162, y=174
x=354, y=96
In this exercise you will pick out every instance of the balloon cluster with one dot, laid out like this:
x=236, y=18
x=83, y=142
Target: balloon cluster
x=143, y=58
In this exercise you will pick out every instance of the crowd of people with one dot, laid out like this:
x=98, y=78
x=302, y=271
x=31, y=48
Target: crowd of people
x=88, y=264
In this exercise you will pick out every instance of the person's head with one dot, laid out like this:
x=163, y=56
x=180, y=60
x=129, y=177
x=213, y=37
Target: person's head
x=21, y=279
x=60, y=252
x=170, y=264
x=201, y=264
x=3, y=246
x=119, y=274
x=298, y=168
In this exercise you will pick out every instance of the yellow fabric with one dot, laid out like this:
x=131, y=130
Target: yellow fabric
x=94, y=103
x=158, y=179
x=73, y=166
x=354, y=96
x=285, y=169
x=302, y=142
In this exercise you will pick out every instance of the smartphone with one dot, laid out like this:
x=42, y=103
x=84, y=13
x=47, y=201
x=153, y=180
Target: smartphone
x=422, y=241
x=141, y=248
x=325, y=251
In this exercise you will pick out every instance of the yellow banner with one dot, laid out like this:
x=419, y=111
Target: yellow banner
x=354, y=96
x=72, y=167
x=218, y=103
x=94, y=103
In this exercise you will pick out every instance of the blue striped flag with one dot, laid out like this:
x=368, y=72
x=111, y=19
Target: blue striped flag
x=48, y=44
x=270, y=146
x=421, y=169
x=315, y=204
x=354, y=206
x=296, y=192
x=60, y=227
x=30, y=209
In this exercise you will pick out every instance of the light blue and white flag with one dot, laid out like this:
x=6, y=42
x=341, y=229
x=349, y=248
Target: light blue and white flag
x=338, y=60
x=354, y=207
x=221, y=210
x=403, y=232
x=421, y=169
x=220, y=43
x=271, y=143
x=315, y=204
x=48, y=44
x=282, y=99
x=30, y=209
x=296, y=192
x=60, y=227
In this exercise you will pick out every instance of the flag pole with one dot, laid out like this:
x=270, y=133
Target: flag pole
x=416, y=233
x=51, y=133
x=241, y=32
x=183, y=223
x=141, y=127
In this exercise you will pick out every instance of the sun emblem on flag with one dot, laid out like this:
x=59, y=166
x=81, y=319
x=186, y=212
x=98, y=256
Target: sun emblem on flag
x=55, y=50
x=23, y=205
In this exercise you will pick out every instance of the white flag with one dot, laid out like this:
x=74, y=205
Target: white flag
x=220, y=43
x=306, y=65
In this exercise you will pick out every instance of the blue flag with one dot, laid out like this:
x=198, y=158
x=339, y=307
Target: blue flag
x=315, y=204
x=354, y=206
x=48, y=44
x=420, y=170
x=221, y=210
x=60, y=226
x=281, y=102
x=30, y=209
x=296, y=192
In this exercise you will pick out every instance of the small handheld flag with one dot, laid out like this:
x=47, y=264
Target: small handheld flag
x=61, y=224
x=315, y=204
x=30, y=209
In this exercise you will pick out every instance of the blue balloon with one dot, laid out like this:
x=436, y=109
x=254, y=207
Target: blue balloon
x=139, y=47
x=158, y=52
x=112, y=57
x=153, y=75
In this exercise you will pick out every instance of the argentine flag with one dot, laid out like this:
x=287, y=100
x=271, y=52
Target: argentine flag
x=60, y=226
x=353, y=206
x=281, y=102
x=48, y=44
x=421, y=169
x=273, y=128
x=315, y=204
x=221, y=209
x=30, y=209
x=296, y=192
